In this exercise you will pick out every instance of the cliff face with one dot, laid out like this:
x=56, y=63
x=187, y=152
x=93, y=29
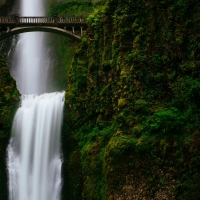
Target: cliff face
x=9, y=97
x=2, y=2
x=132, y=103
x=8, y=102
x=6, y=6
x=65, y=47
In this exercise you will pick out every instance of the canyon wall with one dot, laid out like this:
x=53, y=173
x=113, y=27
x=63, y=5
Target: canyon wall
x=132, y=111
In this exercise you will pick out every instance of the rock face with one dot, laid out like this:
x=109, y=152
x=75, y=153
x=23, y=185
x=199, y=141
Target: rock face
x=132, y=104
x=9, y=97
x=2, y=2
x=6, y=6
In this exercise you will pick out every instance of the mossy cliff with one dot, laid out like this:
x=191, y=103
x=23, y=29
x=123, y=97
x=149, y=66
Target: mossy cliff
x=65, y=47
x=131, y=128
x=6, y=6
x=9, y=97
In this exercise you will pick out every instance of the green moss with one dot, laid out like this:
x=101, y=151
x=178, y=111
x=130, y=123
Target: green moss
x=71, y=8
x=9, y=98
x=122, y=102
x=133, y=109
x=65, y=48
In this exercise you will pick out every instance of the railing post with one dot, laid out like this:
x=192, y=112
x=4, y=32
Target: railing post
x=16, y=20
x=73, y=30
x=56, y=19
x=81, y=31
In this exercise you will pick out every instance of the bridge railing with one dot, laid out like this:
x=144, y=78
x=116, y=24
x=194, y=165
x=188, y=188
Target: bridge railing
x=4, y=20
x=41, y=20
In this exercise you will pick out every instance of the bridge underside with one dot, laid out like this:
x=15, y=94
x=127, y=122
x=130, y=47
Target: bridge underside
x=60, y=31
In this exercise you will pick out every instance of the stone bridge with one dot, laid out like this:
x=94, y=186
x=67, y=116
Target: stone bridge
x=71, y=27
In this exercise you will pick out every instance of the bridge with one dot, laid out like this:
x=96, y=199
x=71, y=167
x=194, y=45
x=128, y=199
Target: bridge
x=71, y=27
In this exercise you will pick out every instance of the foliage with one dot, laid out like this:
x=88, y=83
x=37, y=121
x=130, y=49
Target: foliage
x=165, y=122
x=70, y=8
x=6, y=6
x=65, y=47
x=132, y=101
x=9, y=98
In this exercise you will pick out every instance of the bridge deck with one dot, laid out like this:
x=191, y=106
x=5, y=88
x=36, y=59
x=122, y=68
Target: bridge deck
x=68, y=26
x=41, y=21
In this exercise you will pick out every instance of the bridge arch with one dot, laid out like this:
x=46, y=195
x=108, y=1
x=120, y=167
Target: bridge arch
x=60, y=31
x=10, y=25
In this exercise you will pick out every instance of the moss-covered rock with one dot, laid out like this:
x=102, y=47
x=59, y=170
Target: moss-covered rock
x=9, y=98
x=6, y=6
x=133, y=110
x=65, y=47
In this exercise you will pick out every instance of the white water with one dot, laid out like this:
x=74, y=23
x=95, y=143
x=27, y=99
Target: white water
x=33, y=154
x=34, y=162
x=31, y=63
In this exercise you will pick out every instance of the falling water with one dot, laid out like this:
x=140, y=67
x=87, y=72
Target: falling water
x=34, y=155
x=31, y=62
x=34, y=161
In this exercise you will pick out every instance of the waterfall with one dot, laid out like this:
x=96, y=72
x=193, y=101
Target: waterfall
x=30, y=66
x=34, y=162
x=34, y=154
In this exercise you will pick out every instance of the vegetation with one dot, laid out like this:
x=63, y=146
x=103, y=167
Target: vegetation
x=131, y=127
x=66, y=47
x=132, y=103
x=71, y=8
x=6, y=6
x=8, y=101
